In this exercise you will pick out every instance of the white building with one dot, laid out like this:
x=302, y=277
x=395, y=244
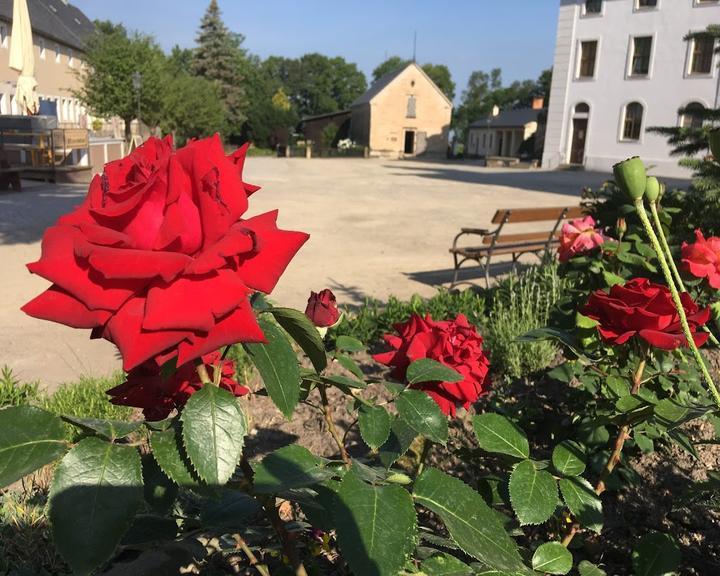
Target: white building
x=622, y=66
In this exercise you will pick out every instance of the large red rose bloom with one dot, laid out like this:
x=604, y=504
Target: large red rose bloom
x=702, y=258
x=455, y=343
x=644, y=310
x=158, y=258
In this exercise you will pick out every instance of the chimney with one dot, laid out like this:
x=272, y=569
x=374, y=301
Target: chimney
x=495, y=110
x=538, y=103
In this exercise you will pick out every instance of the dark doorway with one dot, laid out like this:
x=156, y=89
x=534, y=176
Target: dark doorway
x=409, y=142
x=577, y=150
x=500, y=143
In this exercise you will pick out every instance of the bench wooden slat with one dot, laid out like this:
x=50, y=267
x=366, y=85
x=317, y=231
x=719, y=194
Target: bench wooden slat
x=535, y=214
x=520, y=238
x=503, y=248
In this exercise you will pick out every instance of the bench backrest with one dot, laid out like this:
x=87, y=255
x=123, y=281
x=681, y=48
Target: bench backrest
x=553, y=216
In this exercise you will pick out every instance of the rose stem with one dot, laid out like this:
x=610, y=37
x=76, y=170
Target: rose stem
x=676, y=299
x=668, y=255
x=328, y=415
x=286, y=538
x=423, y=455
x=254, y=562
x=623, y=435
x=203, y=373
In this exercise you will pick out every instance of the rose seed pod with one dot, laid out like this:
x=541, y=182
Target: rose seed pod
x=652, y=189
x=630, y=176
x=714, y=142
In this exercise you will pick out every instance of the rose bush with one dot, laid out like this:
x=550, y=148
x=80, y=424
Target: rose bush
x=579, y=236
x=158, y=258
x=158, y=395
x=646, y=310
x=702, y=258
x=322, y=308
x=454, y=343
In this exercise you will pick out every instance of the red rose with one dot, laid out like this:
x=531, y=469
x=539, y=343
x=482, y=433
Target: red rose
x=146, y=388
x=158, y=258
x=322, y=308
x=579, y=236
x=702, y=258
x=454, y=343
x=641, y=308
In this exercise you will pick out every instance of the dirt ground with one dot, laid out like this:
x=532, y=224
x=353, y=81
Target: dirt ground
x=377, y=228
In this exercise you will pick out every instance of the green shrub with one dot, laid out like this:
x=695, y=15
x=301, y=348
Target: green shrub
x=522, y=302
x=87, y=399
x=14, y=392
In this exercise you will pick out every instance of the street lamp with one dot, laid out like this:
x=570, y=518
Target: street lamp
x=137, y=86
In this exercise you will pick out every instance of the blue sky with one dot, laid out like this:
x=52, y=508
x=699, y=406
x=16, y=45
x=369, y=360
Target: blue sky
x=515, y=35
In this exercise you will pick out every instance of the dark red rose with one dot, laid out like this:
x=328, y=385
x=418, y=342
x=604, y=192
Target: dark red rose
x=454, y=343
x=702, y=258
x=322, y=308
x=158, y=258
x=146, y=388
x=646, y=310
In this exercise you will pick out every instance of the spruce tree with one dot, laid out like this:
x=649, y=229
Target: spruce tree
x=219, y=57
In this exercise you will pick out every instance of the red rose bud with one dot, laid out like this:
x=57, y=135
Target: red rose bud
x=621, y=227
x=652, y=189
x=644, y=310
x=160, y=259
x=630, y=176
x=714, y=143
x=322, y=308
x=454, y=343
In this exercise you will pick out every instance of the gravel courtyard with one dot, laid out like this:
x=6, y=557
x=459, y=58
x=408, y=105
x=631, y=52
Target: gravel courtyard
x=377, y=228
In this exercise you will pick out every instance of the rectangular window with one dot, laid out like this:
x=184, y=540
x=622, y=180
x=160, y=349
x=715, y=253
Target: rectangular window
x=702, y=55
x=588, y=54
x=633, y=121
x=646, y=4
x=642, y=49
x=410, y=107
x=593, y=6
x=3, y=36
x=71, y=59
x=42, y=48
x=484, y=144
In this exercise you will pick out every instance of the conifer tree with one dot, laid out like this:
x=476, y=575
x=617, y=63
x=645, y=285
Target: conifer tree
x=219, y=57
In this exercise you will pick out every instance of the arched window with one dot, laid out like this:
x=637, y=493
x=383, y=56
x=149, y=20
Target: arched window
x=632, y=125
x=582, y=108
x=689, y=118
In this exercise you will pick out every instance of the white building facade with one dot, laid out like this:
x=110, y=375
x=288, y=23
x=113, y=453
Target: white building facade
x=621, y=67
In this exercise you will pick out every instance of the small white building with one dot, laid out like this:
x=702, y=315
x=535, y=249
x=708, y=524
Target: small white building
x=622, y=66
x=504, y=133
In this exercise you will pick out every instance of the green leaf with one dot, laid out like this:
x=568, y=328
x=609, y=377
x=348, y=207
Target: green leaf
x=672, y=414
x=349, y=364
x=289, y=467
x=612, y=279
x=93, y=497
x=656, y=554
x=568, y=458
x=278, y=367
x=170, y=455
x=147, y=528
x=349, y=344
x=428, y=370
x=582, y=501
x=110, y=429
x=586, y=568
x=444, y=565
x=423, y=415
x=471, y=523
x=374, y=425
x=304, y=332
x=498, y=434
x=232, y=510
x=533, y=493
x=213, y=431
x=552, y=558
x=401, y=436
x=160, y=491
x=343, y=382
x=319, y=509
x=29, y=439
x=376, y=526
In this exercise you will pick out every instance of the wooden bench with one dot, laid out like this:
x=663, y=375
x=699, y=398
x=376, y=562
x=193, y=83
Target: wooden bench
x=501, y=161
x=498, y=241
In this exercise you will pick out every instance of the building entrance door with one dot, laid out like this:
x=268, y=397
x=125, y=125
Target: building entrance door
x=409, y=142
x=577, y=149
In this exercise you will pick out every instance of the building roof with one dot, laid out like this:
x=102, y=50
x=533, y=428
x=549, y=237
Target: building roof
x=379, y=85
x=510, y=118
x=326, y=115
x=55, y=19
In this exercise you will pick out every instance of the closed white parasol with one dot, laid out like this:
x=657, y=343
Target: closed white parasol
x=22, y=59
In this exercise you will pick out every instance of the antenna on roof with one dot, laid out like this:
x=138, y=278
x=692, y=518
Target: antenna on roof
x=414, y=44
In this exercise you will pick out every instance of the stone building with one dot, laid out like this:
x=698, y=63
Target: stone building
x=402, y=114
x=59, y=30
x=621, y=67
